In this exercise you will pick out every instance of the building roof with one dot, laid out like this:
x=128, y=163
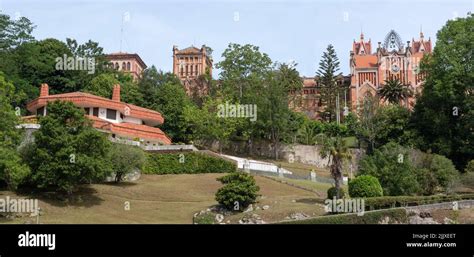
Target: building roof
x=86, y=100
x=189, y=50
x=81, y=99
x=130, y=129
x=124, y=56
x=365, y=61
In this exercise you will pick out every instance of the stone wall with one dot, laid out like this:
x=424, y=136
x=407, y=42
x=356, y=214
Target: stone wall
x=307, y=154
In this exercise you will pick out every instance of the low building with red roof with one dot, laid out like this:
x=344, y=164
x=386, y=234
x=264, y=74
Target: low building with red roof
x=121, y=120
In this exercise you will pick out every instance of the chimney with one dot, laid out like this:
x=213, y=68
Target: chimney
x=116, y=93
x=44, y=91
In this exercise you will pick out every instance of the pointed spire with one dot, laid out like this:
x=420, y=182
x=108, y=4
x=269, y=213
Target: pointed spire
x=421, y=32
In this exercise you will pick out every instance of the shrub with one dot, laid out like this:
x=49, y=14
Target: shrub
x=375, y=203
x=391, y=166
x=332, y=192
x=238, y=192
x=124, y=159
x=12, y=170
x=469, y=167
x=365, y=186
x=186, y=163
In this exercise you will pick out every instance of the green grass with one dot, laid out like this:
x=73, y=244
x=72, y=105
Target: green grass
x=321, y=188
x=160, y=199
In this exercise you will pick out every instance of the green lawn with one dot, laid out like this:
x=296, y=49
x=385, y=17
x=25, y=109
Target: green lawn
x=162, y=199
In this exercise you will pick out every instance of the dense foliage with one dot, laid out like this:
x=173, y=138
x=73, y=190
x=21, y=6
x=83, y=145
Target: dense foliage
x=402, y=171
x=125, y=159
x=239, y=191
x=444, y=113
x=67, y=150
x=186, y=163
x=365, y=186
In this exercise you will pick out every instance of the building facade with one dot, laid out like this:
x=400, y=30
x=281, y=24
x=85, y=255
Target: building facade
x=307, y=100
x=127, y=63
x=391, y=60
x=189, y=65
x=122, y=121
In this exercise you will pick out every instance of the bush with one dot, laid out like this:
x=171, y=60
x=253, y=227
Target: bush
x=469, y=167
x=365, y=186
x=124, y=159
x=12, y=170
x=384, y=202
x=403, y=171
x=186, y=163
x=332, y=192
x=238, y=192
x=391, y=166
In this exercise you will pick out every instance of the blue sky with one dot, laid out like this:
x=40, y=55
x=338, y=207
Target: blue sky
x=286, y=30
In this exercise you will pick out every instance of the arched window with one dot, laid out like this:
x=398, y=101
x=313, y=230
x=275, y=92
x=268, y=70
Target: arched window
x=192, y=70
x=182, y=70
x=123, y=66
x=128, y=65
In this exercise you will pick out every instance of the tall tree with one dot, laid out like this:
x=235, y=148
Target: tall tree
x=164, y=93
x=12, y=170
x=444, y=113
x=67, y=150
x=330, y=90
x=336, y=150
x=242, y=69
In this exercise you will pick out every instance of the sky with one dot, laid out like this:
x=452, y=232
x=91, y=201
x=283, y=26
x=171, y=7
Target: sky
x=287, y=30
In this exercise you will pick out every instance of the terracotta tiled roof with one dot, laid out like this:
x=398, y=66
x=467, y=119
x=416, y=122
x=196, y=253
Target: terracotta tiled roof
x=189, y=50
x=84, y=99
x=365, y=61
x=122, y=56
x=130, y=130
x=417, y=44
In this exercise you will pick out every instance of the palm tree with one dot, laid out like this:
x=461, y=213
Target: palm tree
x=394, y=91
x=336, y=149
x=307, y=134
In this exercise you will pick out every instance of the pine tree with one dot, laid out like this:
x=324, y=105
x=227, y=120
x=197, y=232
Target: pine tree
x=327, y=73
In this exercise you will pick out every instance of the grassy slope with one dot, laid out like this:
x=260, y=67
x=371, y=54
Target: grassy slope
x=164, y=199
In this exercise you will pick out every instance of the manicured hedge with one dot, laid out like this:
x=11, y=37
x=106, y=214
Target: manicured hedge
x=365, y=186
x=188, y=163
x=374, y=217
x=384, y=202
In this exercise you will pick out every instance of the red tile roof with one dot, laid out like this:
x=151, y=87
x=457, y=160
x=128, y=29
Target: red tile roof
x=130, y=130
x=365, y=61
x=85, y=100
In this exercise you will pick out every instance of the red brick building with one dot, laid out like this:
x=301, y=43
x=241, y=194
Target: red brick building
x=390, y=60
x=189, y=65
x=127, y=63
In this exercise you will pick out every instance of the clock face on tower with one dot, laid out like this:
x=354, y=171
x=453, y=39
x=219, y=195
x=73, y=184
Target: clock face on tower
x=395, y=68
